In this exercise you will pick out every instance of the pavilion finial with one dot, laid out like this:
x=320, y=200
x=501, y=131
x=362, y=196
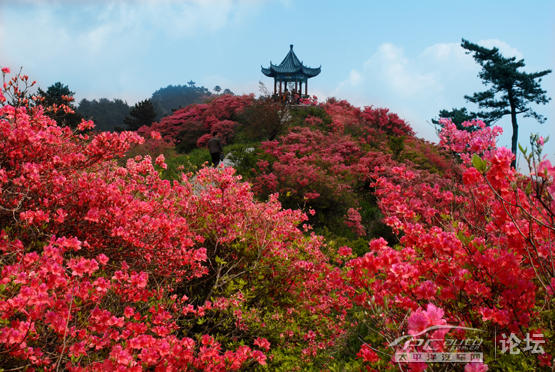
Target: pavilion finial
x=291, y=46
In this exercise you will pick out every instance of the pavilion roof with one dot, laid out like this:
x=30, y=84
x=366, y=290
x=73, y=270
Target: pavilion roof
x=291, y=68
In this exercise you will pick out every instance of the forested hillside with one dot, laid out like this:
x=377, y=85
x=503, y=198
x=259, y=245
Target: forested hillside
x=116, y=115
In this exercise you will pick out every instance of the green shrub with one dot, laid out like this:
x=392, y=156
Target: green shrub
x=263, y=120
x=191, y=162
x=244, y=157
x=299, y=114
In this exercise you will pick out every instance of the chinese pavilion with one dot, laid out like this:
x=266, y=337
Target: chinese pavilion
x=290, y=70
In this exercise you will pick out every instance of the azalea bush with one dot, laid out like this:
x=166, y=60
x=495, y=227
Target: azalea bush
x=324, y=162
x=193, y=125
x=263, y=119
x=107, y=266
x=478, y=246
x=114, y=258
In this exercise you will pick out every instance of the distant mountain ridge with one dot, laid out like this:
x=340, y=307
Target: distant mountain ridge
x=109, y=115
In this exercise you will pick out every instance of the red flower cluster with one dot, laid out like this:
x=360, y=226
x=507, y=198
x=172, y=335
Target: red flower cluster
x=201, y=120
x=107, y=266
x=481, y=250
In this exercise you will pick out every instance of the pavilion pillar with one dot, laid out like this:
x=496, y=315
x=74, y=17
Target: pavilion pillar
x=306, y=87
x=280, y=87
x=275, y=86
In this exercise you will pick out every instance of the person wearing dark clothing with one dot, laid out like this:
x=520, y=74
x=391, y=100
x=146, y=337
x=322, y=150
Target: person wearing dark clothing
x=215, y=147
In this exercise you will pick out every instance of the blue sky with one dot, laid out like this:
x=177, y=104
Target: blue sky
x=404, y=55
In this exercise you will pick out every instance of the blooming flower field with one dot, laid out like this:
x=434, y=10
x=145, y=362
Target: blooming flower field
x=106, y=265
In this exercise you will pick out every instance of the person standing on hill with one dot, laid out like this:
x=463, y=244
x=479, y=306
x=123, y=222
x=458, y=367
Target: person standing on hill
x=215, y=147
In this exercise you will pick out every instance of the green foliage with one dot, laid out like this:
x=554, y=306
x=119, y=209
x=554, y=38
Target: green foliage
x=168, y=99
x=300, y=113
x=426, y=156
x=459, y=116
x=364, y=330
x=142, y=113
x=396, y=145
x=190, y=162
x=59, y=94
x=261, y=121
x=331, y=207
x=346, y=237
x=478, y=163
x=517, y=88
x=244, y=157
x=511, y=90
x=54, y=93
x=511, y=363
x=108, y=115
x=372, y=219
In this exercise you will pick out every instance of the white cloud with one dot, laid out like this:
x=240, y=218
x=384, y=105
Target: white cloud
x=403, y=77
x=90, y=44
x=505, y=49
x=390, y=75
x=446, y=52
x=355, y=78
x=389, y=72
x=113, y=22
x=416, y=86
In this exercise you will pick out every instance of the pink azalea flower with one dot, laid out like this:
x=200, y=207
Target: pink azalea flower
x=160, y=161
x=262, y=343
x=418, y=321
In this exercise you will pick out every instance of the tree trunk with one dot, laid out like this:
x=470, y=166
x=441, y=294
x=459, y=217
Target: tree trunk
x=514, y=142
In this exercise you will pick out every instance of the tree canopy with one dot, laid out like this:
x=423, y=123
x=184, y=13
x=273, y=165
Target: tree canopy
x=173, y=97
x=143, y=113
x=59, y=95
x=511, y=90
x=107, y=114
x=457, y=116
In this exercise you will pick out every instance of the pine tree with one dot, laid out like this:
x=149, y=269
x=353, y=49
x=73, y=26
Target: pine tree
x=142, y=113
x=459, y=116
x=512, y=90
x=59, y=94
